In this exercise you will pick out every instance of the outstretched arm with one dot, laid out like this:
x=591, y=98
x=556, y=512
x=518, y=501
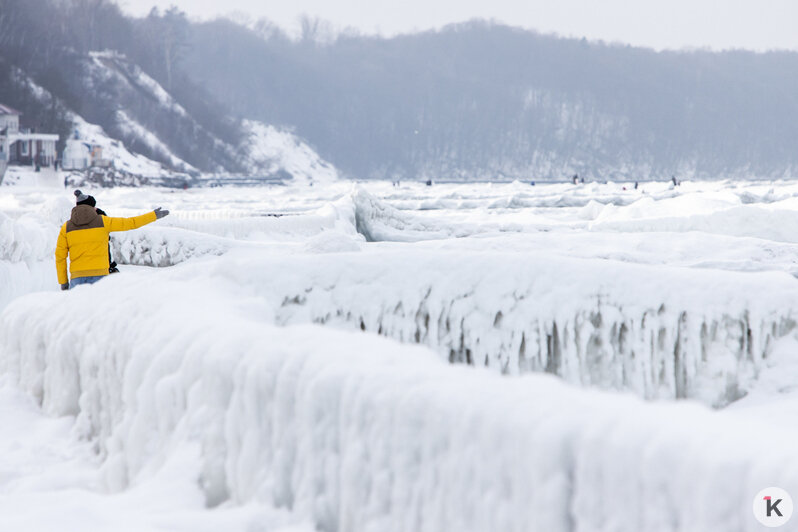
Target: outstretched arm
x=126, y=224
x=61, y=252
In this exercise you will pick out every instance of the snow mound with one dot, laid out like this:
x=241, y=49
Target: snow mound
x=25, y=239
x=359, y=433
x=332, y=242
x=20, y=278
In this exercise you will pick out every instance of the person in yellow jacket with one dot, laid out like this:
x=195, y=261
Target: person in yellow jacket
x=84, y=239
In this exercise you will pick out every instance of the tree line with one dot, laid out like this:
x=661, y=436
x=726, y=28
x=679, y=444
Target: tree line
x=488, y=101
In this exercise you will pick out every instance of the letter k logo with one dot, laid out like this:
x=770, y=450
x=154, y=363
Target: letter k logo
x=772, y=506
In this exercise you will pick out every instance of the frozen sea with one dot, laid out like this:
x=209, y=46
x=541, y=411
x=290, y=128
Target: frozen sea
x=363, y=356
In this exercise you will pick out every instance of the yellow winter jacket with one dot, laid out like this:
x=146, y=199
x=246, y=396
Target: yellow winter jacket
x=84, y=238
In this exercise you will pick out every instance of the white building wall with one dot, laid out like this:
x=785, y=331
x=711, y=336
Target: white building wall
x=10, y=121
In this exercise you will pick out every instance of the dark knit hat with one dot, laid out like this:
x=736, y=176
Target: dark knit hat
x=84, y=199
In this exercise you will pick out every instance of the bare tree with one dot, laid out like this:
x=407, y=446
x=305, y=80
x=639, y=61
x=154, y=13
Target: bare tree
x=315, y=30
x=268, y=30
x=174, y=41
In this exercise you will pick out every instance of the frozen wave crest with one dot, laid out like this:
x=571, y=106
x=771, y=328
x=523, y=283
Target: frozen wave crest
x=378, y=221
x=360, y=433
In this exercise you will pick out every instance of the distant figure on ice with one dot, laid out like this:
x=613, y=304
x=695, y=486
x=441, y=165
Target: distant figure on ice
x=532, y=183
x=429, y=182
x=635, y=185
x=675, y=182
x=84, y=239
x=575, y=179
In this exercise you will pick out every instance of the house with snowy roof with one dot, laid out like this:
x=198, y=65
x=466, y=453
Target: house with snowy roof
x=24, y=146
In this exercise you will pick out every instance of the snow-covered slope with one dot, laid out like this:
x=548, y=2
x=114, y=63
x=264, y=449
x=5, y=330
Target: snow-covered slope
x=130, y=128
x=114, y=150
x=148, y=118
x=144, y=132
x=83, y=132
x=272, y=150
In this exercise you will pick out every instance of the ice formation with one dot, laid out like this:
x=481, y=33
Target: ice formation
x=255, y=360
x=657, y=330
x=361, y=433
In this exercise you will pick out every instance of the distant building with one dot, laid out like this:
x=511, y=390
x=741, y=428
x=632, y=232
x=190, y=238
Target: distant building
x=97, y=157
x=80, y=154
x=21, y=146
x=9, y=119
x=77, y=154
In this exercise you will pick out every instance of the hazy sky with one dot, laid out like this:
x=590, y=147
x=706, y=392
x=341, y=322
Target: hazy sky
x=719, y=24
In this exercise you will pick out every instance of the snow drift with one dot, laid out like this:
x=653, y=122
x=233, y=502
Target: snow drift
x=361, y=433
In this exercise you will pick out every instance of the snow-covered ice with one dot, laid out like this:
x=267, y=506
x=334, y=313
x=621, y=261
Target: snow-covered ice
x=49, y=480
x=249, y=376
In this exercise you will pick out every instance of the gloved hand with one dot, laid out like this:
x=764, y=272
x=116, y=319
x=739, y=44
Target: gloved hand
x=160, y=213
x=65, y=286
